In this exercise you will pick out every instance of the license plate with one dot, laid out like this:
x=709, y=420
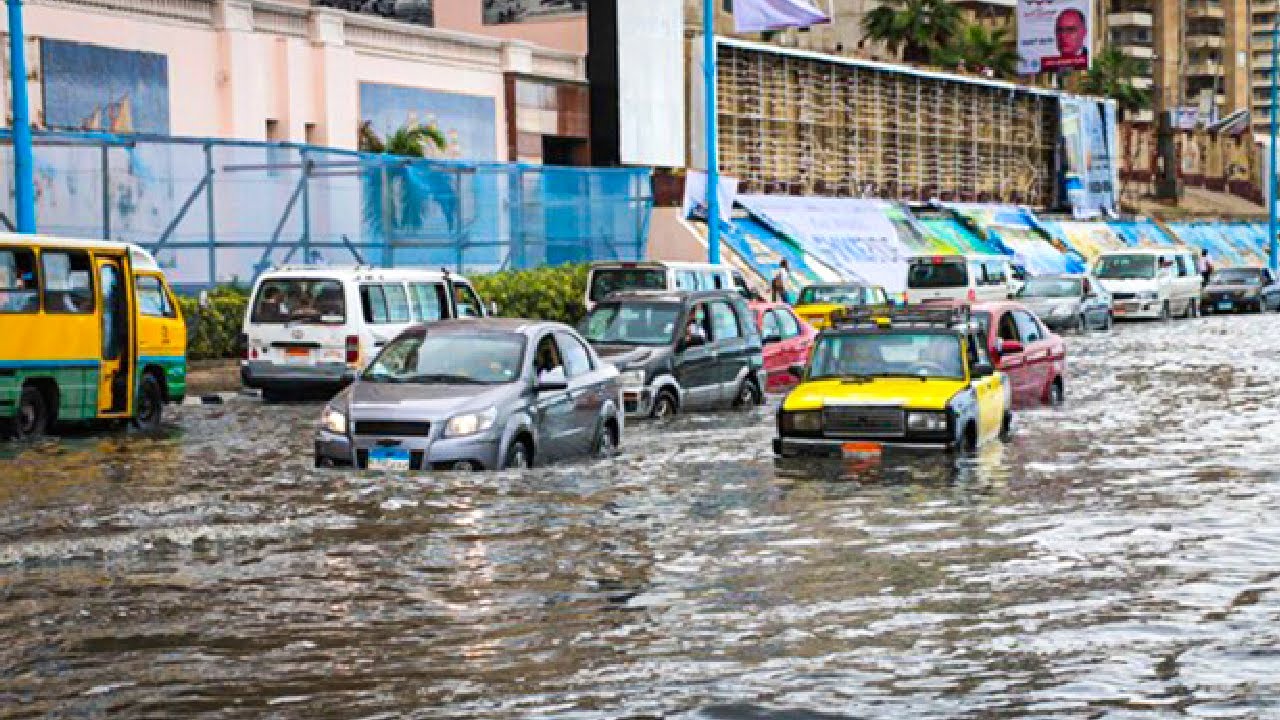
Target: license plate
x=1224, y=305
x=300, y=356
x=388, y=459
x=861, y=450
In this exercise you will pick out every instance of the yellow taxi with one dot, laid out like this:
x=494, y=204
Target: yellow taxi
x=823, y=305
x=915, y=378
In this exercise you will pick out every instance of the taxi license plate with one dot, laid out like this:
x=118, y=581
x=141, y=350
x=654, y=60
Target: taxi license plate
x=388, y=459
x=861, y=450
x=1224, y=305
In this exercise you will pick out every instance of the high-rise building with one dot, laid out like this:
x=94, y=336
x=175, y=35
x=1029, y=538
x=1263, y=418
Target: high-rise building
x=1263, y=20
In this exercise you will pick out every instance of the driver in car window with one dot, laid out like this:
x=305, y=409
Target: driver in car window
x=695, y=333
x=547, y=359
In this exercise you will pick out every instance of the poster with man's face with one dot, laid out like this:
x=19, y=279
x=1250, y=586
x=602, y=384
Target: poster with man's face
x=1054, y=35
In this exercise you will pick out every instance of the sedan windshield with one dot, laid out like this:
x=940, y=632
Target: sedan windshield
x=1052, y=288
x=834, y=295
x=1236, y=276
x=632, y=323
x=905, y=355
x=449, y=359
x=1127, y=267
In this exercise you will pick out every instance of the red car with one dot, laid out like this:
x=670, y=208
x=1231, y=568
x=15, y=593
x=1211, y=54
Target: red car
x=1034, y=358
x=787, y=340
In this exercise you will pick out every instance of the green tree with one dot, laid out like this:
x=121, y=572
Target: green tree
x=1112, y=77
x=979, y=46
x=397, y=189
x=914, y=29
x=409, y=141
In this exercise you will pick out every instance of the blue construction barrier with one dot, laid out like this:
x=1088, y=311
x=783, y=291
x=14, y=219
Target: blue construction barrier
x=217, y=211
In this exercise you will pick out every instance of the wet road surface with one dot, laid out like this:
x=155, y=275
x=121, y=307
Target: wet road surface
x=1119, y=558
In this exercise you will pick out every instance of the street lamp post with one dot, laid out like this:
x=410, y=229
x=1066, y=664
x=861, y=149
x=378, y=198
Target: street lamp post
x=713, y=155
x=24, y=189
x=1273, y=243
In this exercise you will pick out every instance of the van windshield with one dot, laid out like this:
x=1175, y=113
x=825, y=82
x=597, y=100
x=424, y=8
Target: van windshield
x=300, y=300
x=632, y=323
x=611, y=280
x=1126, y=267
x=938, y=274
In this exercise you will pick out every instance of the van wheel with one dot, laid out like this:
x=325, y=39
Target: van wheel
x=1193, y=310
x=32, y=420
x=1109, y=321
x=1164, y=311
x=665, y=405
x=273, y=395
x=150, y=408
x=519, y=456
x=748, y=394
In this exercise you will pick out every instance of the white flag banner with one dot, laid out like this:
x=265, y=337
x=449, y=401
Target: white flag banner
x=752, y=16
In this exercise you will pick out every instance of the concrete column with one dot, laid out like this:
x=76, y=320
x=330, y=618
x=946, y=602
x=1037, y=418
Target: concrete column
x=336, y=88
x=240, y=72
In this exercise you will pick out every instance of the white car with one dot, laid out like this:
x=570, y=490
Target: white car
x=1155, y=283
x=970, y=278
x=605, y=278
x=315, y=328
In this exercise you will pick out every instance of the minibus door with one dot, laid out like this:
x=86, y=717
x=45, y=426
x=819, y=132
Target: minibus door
x=113, y=380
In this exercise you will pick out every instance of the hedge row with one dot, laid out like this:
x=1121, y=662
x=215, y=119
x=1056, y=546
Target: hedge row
x=542, y=294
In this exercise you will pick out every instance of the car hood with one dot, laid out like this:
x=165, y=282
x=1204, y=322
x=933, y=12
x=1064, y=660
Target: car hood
x=389, y=401
x=1044, y=305
x=625, y=356
x=1130, y=286
x=907, y=392
x=1232, y=288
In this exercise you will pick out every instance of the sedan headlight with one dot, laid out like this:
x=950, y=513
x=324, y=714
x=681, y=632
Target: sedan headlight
x=1148, y=295
x=631, y=378
x=335, y=421
x=803, y=421
x=929, y=422
x=472, y=423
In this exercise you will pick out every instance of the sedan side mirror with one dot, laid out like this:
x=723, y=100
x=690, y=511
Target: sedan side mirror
x=552, y=380
x=796, y=371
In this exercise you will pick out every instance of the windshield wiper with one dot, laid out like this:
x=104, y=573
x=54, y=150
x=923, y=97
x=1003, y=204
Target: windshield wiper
x=445, y=378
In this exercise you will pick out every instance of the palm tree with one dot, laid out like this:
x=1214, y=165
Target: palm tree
x=979, y=46
x=409, y=191
x=1112, y=77
x=408, y=141
x=913, y=29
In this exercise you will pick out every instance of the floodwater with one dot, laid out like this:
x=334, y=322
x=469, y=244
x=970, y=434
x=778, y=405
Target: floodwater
x=1119, y=558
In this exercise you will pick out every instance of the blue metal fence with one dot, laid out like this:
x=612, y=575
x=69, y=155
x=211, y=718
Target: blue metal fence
x=218, y=211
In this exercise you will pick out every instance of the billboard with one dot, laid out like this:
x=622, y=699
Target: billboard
x=500, y=12
x=650, y=47
x=1090, y=156
x=1054, y=35
x=89, y=87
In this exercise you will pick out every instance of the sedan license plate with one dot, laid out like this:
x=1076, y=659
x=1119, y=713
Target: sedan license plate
x=1224, y=304
x=388, y=459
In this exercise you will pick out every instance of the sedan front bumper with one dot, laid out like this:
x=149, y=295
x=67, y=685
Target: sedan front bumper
x=482, y=453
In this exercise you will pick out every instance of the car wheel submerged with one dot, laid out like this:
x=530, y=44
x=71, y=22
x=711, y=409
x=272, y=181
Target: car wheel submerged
x=665, y=405
x=1006, y=427
x=150, y=405
x=32, y=420
x=748, y=395
x=1057, y=393
x=606, y=444
x=519, y=456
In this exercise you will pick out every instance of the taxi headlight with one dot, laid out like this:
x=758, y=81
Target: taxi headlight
x=926, y=421
x=631, y=378
x=471, y=423
x=334, y=421
x=803, y=421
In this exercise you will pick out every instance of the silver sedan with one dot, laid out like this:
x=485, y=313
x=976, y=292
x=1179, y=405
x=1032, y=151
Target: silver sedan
x=1068, y=302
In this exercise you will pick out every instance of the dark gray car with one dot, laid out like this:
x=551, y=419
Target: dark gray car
x=1240, y=288
x=475, y=394
x=680, y=350
x=1068, y=302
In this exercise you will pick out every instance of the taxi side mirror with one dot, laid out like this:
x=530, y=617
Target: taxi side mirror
x=983, y=369
x=796, y=371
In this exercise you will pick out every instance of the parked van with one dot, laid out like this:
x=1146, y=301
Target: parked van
x=89, y=330
x=610, y=277
x=1150, y=282
x=315, y=328
x=972, y=278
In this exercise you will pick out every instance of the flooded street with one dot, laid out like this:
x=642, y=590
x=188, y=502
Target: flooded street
x=1119, y=558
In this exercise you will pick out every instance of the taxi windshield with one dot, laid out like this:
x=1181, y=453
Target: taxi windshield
x=833, y=295
x=921, y=355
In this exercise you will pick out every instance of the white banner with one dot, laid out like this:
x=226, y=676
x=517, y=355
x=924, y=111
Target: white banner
x=752, y=16
x=695, y=196
x=1054, y=35
x=1089, y=135
x=651, y=119
x=854, y=237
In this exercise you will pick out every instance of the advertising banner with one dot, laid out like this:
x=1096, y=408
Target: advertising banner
x=1054, y=35
x=695, y=196
x=1090, y=154
x=855, y=237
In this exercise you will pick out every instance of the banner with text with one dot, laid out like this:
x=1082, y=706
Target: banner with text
x=1054, y=35
x=1091, y=173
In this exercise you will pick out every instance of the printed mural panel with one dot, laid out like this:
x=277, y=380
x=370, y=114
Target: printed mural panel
x=90, y=87
x=498, y=12
x=468, y=121
x=420, y=12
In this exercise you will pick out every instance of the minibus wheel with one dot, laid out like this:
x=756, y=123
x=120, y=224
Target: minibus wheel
x=150, y=408
x=32, y=420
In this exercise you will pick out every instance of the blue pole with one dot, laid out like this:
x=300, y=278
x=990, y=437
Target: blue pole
x=23, y=181
x=713, y=155
x=1274, y=245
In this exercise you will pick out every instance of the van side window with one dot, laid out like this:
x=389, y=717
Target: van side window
x=428, y=301
x=19, y=291
x=466, y=300
x=724, y=321
x=1184, y=267
x=153, y=301
x=68, y=282
x=978, y=273
x=385, y=303
x=687, y=280
x=995, y=272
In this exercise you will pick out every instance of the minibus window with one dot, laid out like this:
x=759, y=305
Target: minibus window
x=18, y=291
x=289, y=300
x=68, y=284
x=428, y=300
x=153, y=301
x=386, y=303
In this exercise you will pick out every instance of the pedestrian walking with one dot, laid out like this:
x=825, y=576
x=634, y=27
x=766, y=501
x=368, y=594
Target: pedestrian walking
x=782, y=283
x=1205, y=265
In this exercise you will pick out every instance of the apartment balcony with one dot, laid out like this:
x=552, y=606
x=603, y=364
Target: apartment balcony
x=1204, y=42
x=1205, y=10
x=1141, y=116
x=1204, y=69
x=1142, y=83
x=1132, y=18
x=1137, y=52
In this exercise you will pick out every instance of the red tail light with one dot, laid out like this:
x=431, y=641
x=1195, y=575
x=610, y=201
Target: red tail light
x=353, y=349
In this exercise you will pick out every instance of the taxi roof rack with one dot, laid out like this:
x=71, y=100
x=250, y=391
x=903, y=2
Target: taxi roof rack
x=948, y=316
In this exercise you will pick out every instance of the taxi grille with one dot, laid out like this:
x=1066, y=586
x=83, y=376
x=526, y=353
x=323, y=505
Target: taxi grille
x=864, y=421
x=393, y=428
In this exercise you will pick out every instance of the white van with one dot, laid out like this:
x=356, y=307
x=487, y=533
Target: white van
x=609, y=277
x=1150, y=282
x=309, y=328
x=973, y=278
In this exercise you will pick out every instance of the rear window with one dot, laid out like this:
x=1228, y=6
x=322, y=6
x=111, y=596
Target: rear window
x=946, y=274
x=611, y=280
x=298, y=300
